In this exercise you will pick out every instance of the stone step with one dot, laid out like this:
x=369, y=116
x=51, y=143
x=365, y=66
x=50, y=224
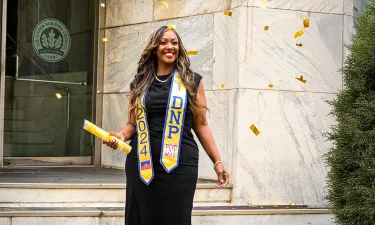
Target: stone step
x=82, y=185
x=94, y=205
x=55, y=193
x=221, y=215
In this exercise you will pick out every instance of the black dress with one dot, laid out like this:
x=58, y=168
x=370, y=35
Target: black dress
x=168, y=199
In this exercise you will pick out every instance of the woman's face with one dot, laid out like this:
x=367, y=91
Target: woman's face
x=167, y=50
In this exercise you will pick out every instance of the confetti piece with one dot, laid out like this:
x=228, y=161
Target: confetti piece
x=164, y=3
x=276, y=206
x=299, y=33
x=171, y=27
x=58, y=95
x=222, y=85
x=301, y=79
x=233, y=208
x=254, y=130
x=228, y=13
x=306, y=22
x=263, y=4
x=102, y=5
x=292, y=204
x=299, y=44
x=266, y=27
x=270, y=85
x=192, y=52
x=104, y=39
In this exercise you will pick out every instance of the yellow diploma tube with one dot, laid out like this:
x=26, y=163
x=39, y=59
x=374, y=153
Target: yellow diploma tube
x=104, y=135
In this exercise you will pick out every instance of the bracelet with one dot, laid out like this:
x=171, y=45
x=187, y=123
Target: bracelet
x=133, y=124
x=217, y=163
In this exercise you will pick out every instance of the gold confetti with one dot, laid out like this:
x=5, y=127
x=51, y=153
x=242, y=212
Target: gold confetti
x=164, y=3
x=228, y=13
x=58, y=95
x=292, y=204
x=299, y=44
x=222, y=85
x=193, y=52
x=254, y=129
x=102, y=5
x=301, y=79
x=266, y=27
x=263, y=4
x=104, y=39
x=270, y=85
x=276, y=206
x=233, y=208
x=171, y=27
x=299, y=33
x=306, y=22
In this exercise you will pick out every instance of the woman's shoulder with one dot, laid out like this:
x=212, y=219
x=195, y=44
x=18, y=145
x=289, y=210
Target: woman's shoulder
x=197, y=79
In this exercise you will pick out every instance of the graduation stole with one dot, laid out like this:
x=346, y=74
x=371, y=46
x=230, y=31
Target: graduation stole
x=172, y=133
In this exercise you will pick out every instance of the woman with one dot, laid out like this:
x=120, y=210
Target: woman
x=167, y=101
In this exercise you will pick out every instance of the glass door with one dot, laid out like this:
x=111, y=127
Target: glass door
x=48, y=82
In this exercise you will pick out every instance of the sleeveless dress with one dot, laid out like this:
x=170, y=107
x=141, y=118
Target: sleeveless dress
x=168, y=199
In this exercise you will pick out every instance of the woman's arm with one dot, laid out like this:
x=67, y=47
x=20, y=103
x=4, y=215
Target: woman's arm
x=129, y=129
x=126, y=133
x=204, y=134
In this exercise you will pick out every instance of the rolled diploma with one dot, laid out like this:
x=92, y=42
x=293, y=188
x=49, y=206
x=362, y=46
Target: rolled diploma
x=104, y=135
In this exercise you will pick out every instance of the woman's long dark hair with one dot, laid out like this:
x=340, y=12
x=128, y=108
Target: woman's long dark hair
x=147, y=68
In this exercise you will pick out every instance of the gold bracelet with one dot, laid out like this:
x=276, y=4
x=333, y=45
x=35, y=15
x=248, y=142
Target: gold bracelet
x=217, y=163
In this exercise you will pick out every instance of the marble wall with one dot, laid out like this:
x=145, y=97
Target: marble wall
x=238, y=59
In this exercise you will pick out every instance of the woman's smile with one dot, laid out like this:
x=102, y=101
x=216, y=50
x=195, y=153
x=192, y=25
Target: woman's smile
x=167, y=50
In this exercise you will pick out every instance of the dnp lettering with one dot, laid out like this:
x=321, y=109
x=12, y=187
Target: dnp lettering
x=175, y=116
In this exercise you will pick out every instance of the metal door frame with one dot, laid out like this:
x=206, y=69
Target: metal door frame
x=2, y=74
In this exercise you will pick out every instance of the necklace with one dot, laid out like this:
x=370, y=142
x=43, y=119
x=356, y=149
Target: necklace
x=163, y=81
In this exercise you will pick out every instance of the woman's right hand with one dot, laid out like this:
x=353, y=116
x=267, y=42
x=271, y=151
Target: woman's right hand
x=114, y=144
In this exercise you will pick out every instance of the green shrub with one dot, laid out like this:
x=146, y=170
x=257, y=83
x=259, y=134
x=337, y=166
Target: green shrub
x=351, y=179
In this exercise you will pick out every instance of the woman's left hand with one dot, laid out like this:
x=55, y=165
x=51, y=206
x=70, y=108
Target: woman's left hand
x=222, y=175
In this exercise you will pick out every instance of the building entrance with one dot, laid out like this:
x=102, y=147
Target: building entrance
x=47, y=82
